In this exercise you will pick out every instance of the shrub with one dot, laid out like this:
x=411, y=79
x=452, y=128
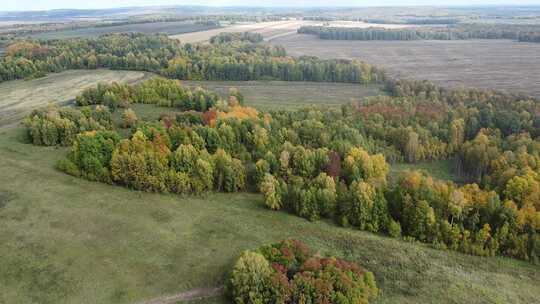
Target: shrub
x=261, y=169
x=250, y=279
x=129, y=118
x=288, y=272
x=68, y=166
x=270, y=188
x=229, y=173
x=394, y=229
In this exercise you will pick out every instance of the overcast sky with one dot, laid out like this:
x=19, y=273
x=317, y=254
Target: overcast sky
x=89, y=4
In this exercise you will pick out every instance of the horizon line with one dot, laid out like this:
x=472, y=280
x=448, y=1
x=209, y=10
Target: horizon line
x=277, y=7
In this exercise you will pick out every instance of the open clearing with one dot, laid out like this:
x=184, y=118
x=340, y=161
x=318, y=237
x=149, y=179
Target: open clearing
x=67, y=240
x=487, y=64
x=270, y=30
x=19, y=97
x=169, y=28
x=440, y=169
x=280, y=95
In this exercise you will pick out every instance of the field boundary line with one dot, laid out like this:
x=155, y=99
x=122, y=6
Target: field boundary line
x=267, y=39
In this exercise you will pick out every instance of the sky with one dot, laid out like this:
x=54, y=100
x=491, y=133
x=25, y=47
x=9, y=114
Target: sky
x=18, y=5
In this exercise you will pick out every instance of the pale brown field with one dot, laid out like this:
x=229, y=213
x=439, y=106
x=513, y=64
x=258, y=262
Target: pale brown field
x=19, y=97
x=487, y=64
x=270, y=30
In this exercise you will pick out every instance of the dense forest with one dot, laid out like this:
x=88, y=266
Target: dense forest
x=523, y=33
x=322, y=163
x=229, y=57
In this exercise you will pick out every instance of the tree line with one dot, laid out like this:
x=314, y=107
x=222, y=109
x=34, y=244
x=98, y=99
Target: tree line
x=321, y=163
x=229, y=57
x=522, y=33
x=415, y=21
x=158, y=91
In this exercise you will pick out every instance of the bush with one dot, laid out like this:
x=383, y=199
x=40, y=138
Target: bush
x=250, y=279
x=288, y=272
x=68, y=166
x=270, y=188
x=129, y=118
x=394, y=229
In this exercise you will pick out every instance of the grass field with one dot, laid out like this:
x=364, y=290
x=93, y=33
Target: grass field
x=67, y=240
x=442, y=169
x=487, y=64
x=169, y=28
x=19, y=97
x=276, y=95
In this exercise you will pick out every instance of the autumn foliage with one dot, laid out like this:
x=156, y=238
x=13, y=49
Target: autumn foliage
x=289, y=272
x=321, y=163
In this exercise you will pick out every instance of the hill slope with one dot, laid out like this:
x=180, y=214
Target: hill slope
x=67, y=240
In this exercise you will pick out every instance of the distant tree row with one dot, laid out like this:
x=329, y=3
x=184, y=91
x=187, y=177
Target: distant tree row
x=230, y=37
x=414, y=21
x=453, y=32
x=230, y=57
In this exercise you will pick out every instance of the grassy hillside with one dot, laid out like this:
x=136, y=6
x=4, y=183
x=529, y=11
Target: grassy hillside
x=21, y=96
x=276, y=95
x=67, y=240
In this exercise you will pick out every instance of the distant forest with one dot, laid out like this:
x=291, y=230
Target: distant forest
x=240, y=59
x=522, y=33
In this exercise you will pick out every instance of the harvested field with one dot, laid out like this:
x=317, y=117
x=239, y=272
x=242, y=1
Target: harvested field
x=487, y=64
x=169, y=28
x=280, y=95
x=267, y=29
x=270, y=30
x=21, y=96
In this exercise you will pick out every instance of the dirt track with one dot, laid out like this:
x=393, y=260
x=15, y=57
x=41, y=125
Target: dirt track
x=195, y=294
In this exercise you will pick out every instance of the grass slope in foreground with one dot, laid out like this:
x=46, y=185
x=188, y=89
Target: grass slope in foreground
x=67, y=240
x=281, y=95
x=19, y=97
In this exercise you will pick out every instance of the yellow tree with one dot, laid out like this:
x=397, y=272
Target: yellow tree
x=359, y=165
